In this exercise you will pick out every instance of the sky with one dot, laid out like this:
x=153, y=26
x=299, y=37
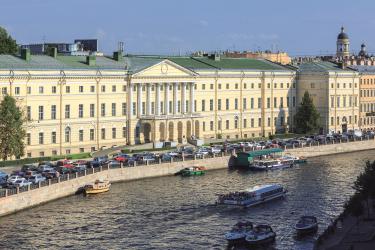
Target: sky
x=179, y=27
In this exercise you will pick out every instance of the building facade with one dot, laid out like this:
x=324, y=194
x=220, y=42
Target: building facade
x=335, y=93
x=79, y=104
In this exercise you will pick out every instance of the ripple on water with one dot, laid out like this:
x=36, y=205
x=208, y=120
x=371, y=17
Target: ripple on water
x=177, y=213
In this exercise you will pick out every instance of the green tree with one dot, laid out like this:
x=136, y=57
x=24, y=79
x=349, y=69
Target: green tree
x=365, y=184
x=307, y=117
x=12, y=132
x=7, y=44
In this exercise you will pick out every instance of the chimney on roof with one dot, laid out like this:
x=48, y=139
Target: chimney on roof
x=91, y=60
x=117, y=55
x=25, y=54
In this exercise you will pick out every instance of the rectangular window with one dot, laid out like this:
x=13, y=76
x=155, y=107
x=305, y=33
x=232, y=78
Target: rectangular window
x=67, y=89
x=227, y=86
x=195, y=105
x=53, y=137
x=67, y=135
x=92, y=110
x=123, y=132
x=113, y=109
x=203, y=86
x=80, y=110
x=134, y=108
x=123, y=88
x=275, y=102
x=53, y=89
x=203, y=105
x=268, y=102
x=219, y=104
x=251, y=103
x=153, y=107
x=219, y=125
x=103, y=88
x=219, y=86
x=41, y=138
x=113, y=133
x=235, y=123
x=211, y=125
x=92, y=134
x=259, y=103
x=268, y=122
x=143, y=108
x=252, y=122
x=80, y=89
x=204, y=126
x=53, y=112
x=227, y=104
x=259, y=122
x=80, y=135
x=350, y=101
x=102, y=109
x=113, y=88
x=235, y=103
x=41, y=90
x=92, y=89
x=178, y=106
x=28, y=90
x=355, y=119
x=332, y=101
x=103, y=133
x=244, y=123
x=170, y=107
x=211, y=104
x=287, y=102
x=236, y=86
x=28, y=139
x=281, y=102
x=41, y=113
x=67, y=111
x=227, y=124
x=244, y=103
x=28, y=113
x=211, y=86
x=123, y=108
x=338, y=101
x=17, y=90
x=344, y=101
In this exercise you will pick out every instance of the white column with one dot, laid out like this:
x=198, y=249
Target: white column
x=148, y=100
x=175, y=98
x=157, y=99
x=166, y=99
x=192, y=97
x=139, y=99
x=183, y=97
x=130, y=101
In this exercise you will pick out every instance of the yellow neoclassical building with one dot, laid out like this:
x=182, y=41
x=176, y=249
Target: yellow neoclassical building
x=335, y=93
x=80, y=104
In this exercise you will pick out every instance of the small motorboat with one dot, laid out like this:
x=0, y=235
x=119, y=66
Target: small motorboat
x=238, y=232
x=261, y=234
x=99, y=186
x=306, y=224
x=193, y=171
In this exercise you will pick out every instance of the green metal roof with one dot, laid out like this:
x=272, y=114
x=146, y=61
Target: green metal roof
x=240, y=63
x=261, y=152
x=323, y=66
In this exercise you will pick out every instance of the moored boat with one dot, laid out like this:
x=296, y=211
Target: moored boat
x=306, y=224
x=193, y=171
x=238, y=232
x=261, y=234
x=99, y=186
x=253, y=196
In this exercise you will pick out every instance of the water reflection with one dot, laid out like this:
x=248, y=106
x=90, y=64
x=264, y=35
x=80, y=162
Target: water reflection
x=174, y=212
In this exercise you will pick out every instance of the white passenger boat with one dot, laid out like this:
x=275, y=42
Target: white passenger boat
x=253, y=196
x=263, y=165
x=238, y=232
x=306, y=224
x=283, y=163
x=261, y=234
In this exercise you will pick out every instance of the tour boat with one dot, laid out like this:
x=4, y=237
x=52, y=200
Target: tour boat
x=261, y=234
x=295, y=159
x=238, y=232
x=306, y=224
x=193, y=171
x=99, y=186
x=265, y=165
x=283, y=163
x=253, y=196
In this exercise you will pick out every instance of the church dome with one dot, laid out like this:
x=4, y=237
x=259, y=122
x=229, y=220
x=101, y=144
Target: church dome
x=342, y=35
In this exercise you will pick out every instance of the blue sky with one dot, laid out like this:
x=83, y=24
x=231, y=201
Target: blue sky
x=172, y=27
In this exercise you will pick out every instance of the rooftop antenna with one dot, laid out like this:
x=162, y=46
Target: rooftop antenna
x=44, y=38
x=121, y=46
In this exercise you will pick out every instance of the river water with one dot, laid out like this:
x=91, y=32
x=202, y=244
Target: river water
x=178, y=213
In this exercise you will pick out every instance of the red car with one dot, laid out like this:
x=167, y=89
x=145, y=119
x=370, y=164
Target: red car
x=121, y=158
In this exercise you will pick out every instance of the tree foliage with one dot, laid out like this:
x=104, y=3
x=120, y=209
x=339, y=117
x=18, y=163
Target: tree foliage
x=7, y=44
x=12, y=132
x=307, y=117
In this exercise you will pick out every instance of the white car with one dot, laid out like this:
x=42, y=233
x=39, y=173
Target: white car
x=21, y=183
x=215, y=150
x=37, y=178
x=12, y=179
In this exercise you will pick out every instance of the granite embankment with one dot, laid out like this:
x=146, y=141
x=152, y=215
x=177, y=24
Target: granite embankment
x=36, y=195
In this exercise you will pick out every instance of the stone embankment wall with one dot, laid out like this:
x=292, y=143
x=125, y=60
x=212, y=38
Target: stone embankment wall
x=23, y=200
x=330, y=149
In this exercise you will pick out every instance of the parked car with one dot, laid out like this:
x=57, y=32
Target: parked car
x=49, y=174
x=28, y=167
x=21, y=183
x=30, y=173
x=80, y=168
x=121, y=157
x=114, y=164
x=37, y=178
x=3, y=175
x=14, y=178
x=101, y=159
x=216, y=150
x=43, y=168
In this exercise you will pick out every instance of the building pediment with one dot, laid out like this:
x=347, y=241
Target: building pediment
x=165, y=68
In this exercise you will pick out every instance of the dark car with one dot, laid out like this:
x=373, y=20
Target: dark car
x=101, y=159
